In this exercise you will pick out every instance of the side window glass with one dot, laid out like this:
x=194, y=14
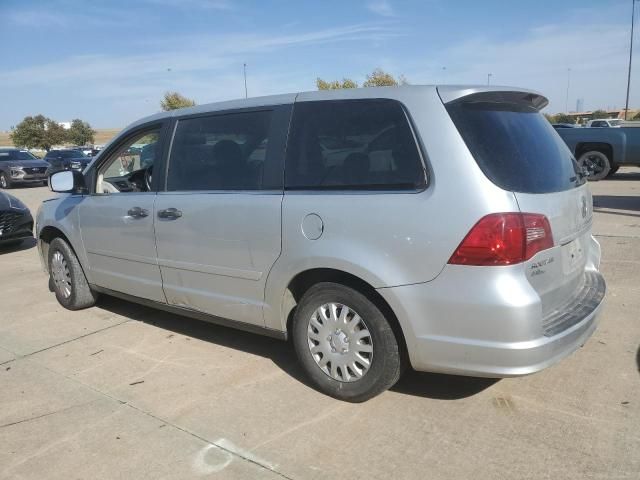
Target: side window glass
x=220, y=152
x=130, y=168
x=352, y=144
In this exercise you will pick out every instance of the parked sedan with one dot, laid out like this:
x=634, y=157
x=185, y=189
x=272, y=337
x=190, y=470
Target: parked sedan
x=67, y=159
x=16, y=223
x=19, y=167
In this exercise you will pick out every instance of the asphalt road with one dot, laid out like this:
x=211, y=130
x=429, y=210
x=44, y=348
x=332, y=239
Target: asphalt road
x=123, y=391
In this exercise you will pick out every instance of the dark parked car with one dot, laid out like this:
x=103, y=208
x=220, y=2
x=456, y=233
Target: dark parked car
x=19, y=167
x=16, y=223
x=564, y=125
x=67, y=159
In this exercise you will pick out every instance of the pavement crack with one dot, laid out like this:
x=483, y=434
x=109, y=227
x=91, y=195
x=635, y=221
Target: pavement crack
x=31, y=419
x=231, y=451
x=19, y=357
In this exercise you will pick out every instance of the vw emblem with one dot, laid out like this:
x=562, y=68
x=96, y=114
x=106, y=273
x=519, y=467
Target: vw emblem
x=584, y=207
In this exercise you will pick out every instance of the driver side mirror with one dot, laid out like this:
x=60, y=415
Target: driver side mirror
x=67, y=181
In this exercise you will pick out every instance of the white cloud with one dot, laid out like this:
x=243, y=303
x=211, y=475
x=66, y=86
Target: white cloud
x=190, y=4
x=596, y=53
x=381, y=7
x=41, y=18
x=205, y=67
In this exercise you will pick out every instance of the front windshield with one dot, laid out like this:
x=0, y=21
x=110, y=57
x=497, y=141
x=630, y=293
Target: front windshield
x=16, y=155
x=72, y=154
x=615, y=123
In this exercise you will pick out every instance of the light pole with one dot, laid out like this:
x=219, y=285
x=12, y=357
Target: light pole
x=244, y=67
x=489, y=75
x=633, y=12
x=566, y=101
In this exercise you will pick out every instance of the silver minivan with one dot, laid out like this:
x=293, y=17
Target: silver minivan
x=443, y=228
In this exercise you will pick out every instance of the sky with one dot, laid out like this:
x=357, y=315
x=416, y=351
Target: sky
x=110, y=62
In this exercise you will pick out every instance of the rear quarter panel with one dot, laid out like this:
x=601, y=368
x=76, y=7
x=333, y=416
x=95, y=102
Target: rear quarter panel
x=390, y=239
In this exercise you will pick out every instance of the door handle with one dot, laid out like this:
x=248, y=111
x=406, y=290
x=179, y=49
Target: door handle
x=137, y=212
x=170, y=213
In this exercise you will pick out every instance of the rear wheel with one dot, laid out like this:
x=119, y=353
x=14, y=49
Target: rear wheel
x=613, y=170
x=596, y=164
x=67, y=278
x=344, y=343
x=4, y=181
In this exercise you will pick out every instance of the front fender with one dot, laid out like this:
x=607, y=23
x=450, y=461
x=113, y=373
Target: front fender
x=62, y=214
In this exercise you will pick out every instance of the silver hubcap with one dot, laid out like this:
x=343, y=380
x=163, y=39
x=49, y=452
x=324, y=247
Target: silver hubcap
x=61, y=275
x=340, y=342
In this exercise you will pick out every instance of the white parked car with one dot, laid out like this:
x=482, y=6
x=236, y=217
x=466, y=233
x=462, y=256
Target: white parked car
x=605, y=122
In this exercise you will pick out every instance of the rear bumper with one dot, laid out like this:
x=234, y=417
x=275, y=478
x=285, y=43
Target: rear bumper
x=467, y=324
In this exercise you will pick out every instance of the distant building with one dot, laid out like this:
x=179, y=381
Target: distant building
x=580, y=105
x=65, y=125
x=583, y=117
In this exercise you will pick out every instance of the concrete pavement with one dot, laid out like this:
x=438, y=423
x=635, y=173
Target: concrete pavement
x=124, y=391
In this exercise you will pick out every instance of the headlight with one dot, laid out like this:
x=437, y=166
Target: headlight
x=17, y=204
x=17, y=172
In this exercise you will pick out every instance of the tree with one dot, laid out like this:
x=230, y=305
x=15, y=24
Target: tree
x=173, y=101
x=377, y=78
x=562, y=118
x=380, y=78
x=636, y=116
x=80, y=133
x=599, y=114
x=335, y=84
x=38, y=132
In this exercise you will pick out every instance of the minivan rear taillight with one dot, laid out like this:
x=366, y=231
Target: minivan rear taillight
x=504, y=239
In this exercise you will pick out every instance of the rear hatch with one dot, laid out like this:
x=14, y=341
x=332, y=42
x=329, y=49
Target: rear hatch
x=519, y=151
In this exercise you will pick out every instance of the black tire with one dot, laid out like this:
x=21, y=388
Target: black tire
x=613, y=171
x=81, y=296
x=596, y=164
x=5, y=181
x=386, y=363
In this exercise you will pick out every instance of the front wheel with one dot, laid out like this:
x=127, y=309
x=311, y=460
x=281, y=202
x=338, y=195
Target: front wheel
x=344, y=343
x=67, y=278
x=4, y=181
x=596, y=164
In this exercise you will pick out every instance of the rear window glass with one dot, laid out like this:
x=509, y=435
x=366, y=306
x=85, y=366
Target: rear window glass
x=352, y=144
x=516, y=147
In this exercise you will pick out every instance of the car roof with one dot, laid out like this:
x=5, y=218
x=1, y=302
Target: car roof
x=447, y=93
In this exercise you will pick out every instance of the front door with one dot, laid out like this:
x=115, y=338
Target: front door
x=116, y=219
x=218, y=222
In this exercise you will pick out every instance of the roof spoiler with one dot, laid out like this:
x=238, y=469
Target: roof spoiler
x=452, y=94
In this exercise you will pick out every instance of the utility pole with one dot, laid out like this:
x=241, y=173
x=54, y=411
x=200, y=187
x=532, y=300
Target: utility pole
x=633, y=12
x=489, y=75
x=566, y=102
x=244, y=66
